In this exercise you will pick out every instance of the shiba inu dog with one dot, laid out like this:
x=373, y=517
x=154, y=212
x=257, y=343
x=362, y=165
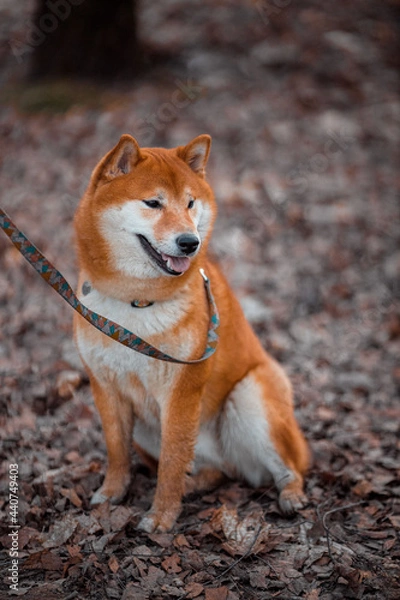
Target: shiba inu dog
x=142, y=231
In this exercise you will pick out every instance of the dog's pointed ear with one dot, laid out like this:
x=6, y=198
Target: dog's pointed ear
x=195, y=154
x=119, y=161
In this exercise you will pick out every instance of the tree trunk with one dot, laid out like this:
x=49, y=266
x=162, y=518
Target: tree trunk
x=96, y=39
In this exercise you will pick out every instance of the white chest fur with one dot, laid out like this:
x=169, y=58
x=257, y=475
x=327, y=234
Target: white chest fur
x=111, y=360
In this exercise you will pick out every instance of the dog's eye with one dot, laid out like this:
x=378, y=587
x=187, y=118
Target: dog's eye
x=191, y=204
x=153, y=203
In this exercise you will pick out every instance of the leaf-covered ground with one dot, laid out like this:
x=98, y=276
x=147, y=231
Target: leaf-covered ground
x=301, y=100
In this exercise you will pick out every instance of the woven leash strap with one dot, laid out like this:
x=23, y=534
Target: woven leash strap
x=56, y=280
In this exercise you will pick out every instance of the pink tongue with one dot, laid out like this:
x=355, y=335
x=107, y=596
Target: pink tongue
x=180, y=264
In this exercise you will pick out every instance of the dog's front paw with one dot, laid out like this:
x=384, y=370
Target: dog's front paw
x=147, y=523
x=98, y=498
x=158, y=522
x=290, y=501
x=103, y=494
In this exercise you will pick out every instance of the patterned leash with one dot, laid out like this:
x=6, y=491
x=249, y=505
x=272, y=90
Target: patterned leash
x=56, y=280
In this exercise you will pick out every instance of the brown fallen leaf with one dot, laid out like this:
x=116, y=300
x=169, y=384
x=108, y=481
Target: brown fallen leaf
x=220, y=593
x=120, y=517
x=313, y=594
x=244, y=536
x=134, y=591
x=44, y=560
x=388, y=544
x=74, y=550
x=180, y=541
x=193, y=590
x=171, y=564
x=113, y=563
x=102, y=514
x=60, y=532
x=162, y=539
x=141, y=566
x=154, y=577
x=259, y=577
x=72, y=496
x=73, y=563
x=395, y=521
x=194, y=559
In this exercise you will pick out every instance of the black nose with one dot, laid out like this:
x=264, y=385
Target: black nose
x=187, y=243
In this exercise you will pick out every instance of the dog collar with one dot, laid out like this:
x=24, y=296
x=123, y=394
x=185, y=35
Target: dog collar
x=87, y=288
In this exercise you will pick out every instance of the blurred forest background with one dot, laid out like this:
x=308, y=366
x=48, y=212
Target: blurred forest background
x=301, y=99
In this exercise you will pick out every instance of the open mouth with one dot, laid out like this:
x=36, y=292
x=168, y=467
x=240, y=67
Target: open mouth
x=173, y=265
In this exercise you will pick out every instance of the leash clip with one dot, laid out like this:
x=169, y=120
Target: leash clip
x=204, y=276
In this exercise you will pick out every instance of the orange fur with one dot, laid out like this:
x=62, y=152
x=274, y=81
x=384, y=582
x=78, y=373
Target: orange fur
x=183, y=417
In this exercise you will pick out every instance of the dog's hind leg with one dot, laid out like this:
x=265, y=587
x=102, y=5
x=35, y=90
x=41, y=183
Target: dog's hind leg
x=260, y=436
